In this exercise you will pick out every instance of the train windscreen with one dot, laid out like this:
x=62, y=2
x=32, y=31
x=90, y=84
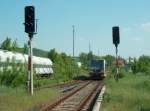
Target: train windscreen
x=97, y=64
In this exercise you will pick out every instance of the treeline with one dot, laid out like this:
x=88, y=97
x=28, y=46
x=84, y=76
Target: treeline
x=85, y=58
x=137, y=65
x=12, y=45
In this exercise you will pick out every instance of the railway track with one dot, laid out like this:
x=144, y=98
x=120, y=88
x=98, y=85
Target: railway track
x=80, y=99
x=62, y=85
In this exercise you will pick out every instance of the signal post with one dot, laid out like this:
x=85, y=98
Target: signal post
x=30, y=30
x=116, y=41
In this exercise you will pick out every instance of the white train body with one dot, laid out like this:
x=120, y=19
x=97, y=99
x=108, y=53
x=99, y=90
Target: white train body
x=41, y=65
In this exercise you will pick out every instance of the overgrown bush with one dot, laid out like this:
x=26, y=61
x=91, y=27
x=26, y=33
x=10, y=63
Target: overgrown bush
x=142, y=65
x=65, y=72
x=65, y=67
x=14, y=76
x=122, y=73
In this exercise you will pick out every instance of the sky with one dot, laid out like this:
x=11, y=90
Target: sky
x=93, y=21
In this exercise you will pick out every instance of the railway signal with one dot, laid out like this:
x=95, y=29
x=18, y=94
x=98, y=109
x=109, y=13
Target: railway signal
x=116, y=41
x=30, y=29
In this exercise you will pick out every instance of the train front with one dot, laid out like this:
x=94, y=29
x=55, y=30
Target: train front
x=97, y=69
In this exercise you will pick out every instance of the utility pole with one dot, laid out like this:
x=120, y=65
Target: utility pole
x=98, y=53
x=73, y=39
x=89, y=47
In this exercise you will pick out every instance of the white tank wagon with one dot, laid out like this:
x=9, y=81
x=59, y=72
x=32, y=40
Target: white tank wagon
x=42, y=66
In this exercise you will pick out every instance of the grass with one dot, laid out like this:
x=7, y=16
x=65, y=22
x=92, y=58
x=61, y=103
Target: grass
x=19, y=100
x=131, y=93
x=41, y=82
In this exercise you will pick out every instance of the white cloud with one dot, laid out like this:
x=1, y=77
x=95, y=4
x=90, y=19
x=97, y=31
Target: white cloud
x=146, y=26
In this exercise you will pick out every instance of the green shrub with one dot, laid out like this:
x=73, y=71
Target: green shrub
x=122, y=73
x=142, y=65
x=66, y=71
x=20, y=78
x=37, y=84
x=14, y=77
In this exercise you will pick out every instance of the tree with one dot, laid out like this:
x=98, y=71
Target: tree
x=53, y=55
x=6, y=44
x=14, y=45
x=83, y=58
x=90, y=56
x=109, y=59
x=25, y=49
x=142, y=65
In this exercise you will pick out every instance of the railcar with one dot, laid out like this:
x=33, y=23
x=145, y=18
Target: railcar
x=97, y=69
x=42, y=66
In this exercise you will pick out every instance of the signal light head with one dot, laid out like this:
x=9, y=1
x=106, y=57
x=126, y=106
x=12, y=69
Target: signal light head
x=116, y=35
x=29, y=19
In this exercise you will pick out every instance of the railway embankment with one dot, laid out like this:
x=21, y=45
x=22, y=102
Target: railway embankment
x=130, y=93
